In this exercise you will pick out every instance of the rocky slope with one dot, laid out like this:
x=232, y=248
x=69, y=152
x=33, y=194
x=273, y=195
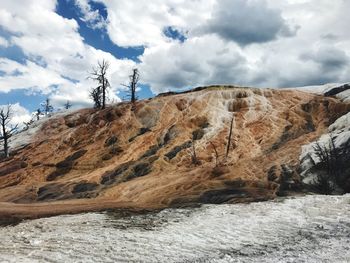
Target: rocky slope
x=336, y=142
x=143, y=157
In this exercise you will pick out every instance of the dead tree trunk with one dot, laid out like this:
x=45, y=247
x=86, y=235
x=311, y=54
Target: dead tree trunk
x=47, y=107
x=4, y=138
x=67, y=105
x=229, y=138
x=6, y=130
x=216, y=153
x=133, y=82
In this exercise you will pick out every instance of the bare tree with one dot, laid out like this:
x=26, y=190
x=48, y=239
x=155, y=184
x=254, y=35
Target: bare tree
x=47, y=107
x=193, y=153
x=99, y=74
x=134, y=79
x=330, y=167
x=96, y=96
x=7, y=130
x=216, y=154
x=67, y=105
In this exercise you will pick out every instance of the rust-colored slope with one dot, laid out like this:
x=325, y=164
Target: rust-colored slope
x=142, y=158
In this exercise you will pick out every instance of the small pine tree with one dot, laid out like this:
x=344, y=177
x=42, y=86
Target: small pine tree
x=67, y=105
x=37, y=114
x=47, y=107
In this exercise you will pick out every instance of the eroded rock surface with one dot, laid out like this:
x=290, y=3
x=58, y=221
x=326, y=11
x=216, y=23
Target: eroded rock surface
x=145, y=155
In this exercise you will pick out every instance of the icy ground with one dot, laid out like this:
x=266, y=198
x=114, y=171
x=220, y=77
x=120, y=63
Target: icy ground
x=299, y=229
x=339, y=130
x=24, y=137
x=322, y=89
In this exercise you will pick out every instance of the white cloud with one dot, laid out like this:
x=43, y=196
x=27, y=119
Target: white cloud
x=246, y=22
x=56, y=51
x=281, y=32
x=18, y=115
x=4, y=42
x=216, y=49
x=92, y=17
x=198, y=61
x=141, y=23
x=30, y=75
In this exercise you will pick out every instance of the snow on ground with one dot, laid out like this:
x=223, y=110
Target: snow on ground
x=341, y=124
x=300, y=229
x=322, y=89
x=319, y=89
x=339, y=130
x=24, y=137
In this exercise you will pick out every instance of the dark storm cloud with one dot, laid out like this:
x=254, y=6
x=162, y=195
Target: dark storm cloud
x=228, y=71
x=330, y=59
x=329, y=36
x=247, y=22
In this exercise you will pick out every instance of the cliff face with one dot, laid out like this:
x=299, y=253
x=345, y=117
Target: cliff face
x=144, y=156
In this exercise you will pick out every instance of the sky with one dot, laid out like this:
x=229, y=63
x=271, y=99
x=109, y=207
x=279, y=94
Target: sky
x=48, y=47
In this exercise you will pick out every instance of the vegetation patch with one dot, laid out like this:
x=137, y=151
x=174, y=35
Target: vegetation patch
x=111, y=141
x=220, y=196
x=84, y=187
x=106, y=157
x=128, y=171
x=285, y=137
x=151, y=151
x=219, y=170
x=138, y=170
x=333, y=169
x=173, y=152
x=288, y=180
x=111, y=176
x=197, y=134
x=271, y=174
x=51, y=191
x=66, y=165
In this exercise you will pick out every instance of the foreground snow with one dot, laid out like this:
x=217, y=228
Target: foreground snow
x=301, y=229
x=322, y=89
x=24, y=137
x=339, y=130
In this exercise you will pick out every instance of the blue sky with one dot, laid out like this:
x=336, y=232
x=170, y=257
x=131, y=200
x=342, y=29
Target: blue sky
x=47, y=47
x=97, y=38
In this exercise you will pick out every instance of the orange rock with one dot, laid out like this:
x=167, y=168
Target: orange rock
x=150, y=165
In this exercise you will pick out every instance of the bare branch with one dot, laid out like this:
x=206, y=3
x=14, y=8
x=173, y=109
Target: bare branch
x=98, y=74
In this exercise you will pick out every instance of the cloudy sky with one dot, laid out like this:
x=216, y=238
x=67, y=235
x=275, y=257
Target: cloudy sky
x=47, y=47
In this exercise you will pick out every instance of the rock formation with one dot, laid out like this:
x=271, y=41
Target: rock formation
x=143, y=156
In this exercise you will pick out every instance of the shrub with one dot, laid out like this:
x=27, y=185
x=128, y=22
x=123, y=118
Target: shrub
x=332, y=170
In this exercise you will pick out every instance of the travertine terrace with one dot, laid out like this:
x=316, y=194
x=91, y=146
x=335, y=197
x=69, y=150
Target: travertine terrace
x=141, y=157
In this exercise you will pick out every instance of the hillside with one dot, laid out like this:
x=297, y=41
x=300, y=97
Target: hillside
x=142, y=158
